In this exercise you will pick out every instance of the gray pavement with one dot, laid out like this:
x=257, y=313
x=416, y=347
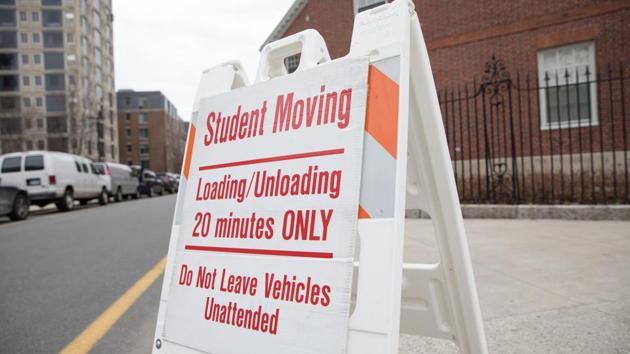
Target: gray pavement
x=545, y=286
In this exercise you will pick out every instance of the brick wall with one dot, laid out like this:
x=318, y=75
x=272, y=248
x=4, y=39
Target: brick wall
x=333, y=20
x=462, y=36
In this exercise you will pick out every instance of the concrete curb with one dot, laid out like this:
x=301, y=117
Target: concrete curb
x=561, y=212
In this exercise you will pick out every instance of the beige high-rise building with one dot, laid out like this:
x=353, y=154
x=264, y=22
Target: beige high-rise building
x=57, y=77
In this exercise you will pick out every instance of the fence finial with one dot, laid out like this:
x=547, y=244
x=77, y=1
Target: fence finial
x=495, y=76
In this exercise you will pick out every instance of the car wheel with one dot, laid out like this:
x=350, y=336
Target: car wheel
x=67, y=201
x=103, y=198
x=119, y=196
x=21, y=204
x=150, y=192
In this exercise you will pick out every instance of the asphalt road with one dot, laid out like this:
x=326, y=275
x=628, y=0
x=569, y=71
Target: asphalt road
x=60, y=271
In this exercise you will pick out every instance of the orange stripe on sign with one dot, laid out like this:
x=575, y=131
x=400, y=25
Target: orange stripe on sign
x=189, y=149
x=363, y=214
x=381, y=119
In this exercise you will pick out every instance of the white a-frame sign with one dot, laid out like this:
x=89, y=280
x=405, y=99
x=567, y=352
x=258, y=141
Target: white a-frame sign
x=283, y=177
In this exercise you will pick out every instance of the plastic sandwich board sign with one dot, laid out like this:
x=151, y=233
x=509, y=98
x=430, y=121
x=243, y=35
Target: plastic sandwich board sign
x=282, y=178
x=264, y=256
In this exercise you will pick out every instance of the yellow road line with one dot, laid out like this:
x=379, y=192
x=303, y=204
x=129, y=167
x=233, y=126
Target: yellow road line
x=84, y=342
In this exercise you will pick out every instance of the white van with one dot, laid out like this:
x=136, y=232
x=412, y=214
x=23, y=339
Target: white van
x=122, y=181
x=54, y=177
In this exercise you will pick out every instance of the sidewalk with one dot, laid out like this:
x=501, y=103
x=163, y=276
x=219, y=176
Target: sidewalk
x=544, y=285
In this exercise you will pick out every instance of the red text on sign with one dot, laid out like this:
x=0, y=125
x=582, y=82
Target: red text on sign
x=202, y=224
x=241, y=125
x=325, y=108
x=238, y=284
x=206, y=279
x=305, y=224
x=294, y=290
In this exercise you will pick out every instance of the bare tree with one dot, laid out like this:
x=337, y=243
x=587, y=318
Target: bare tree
x=81, y=121
x=30, y=117
x=13, y=129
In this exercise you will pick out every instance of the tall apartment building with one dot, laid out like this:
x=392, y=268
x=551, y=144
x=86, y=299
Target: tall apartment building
x=151, y=133
x=57, y=77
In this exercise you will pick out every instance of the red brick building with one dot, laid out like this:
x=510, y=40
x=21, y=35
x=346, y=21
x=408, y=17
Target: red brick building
x=532, y=92
x=462, y=36
x=151, y=133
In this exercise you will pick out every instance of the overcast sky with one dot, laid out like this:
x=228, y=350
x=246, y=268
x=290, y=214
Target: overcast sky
x=165, y=45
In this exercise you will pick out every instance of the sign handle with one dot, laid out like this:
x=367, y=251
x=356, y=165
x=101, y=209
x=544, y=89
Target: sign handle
x=309, y=44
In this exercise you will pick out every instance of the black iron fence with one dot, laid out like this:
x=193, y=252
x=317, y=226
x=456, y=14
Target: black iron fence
x=560, y=137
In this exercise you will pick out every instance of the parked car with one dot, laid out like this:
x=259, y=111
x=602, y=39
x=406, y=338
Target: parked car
x=14, y=202
x=121, y=180
x=54, y=177
x=150, y=184
x=171, y=184
x=176, y=177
